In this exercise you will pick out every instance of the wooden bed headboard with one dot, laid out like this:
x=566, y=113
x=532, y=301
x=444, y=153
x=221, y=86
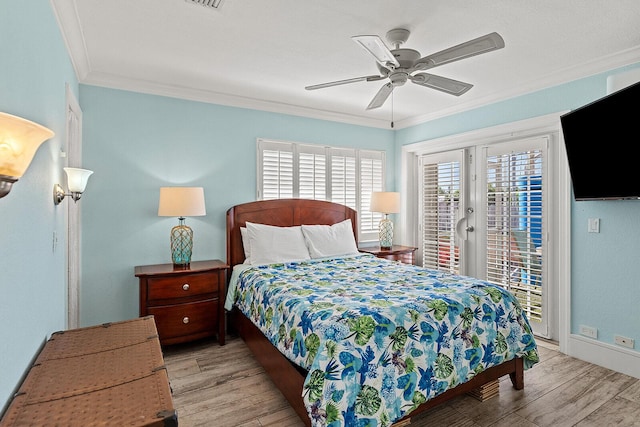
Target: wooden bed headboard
x=282, y=213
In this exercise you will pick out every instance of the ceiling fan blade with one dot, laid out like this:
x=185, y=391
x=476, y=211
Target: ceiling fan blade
x=376, y=47
x=346, y=81
x=381, y=96
x=484, y=44
x=443, y=84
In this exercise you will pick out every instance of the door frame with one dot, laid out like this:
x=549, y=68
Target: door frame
x=73, y=255
x=559, y=277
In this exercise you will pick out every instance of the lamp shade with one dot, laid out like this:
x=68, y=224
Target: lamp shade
x=386, y=202
x=19, y=141
x=77, y=179
x=181, y=201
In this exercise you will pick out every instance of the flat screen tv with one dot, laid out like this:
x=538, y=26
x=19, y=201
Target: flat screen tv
x=603, y=146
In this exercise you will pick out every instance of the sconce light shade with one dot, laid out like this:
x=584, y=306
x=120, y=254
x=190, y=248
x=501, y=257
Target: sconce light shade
x=77, y=179
x=19, y=141
x=385, y=202
x=76, y=182
x=181, y=202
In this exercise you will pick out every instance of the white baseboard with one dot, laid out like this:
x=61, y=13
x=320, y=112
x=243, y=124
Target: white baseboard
x=607, y=355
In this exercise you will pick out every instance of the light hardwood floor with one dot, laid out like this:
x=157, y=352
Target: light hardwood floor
x=225, y=387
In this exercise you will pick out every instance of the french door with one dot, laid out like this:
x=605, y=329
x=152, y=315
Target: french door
x=483, y=213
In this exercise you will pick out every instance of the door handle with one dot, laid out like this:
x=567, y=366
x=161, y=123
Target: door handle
x=462, y=234
x=459, y=232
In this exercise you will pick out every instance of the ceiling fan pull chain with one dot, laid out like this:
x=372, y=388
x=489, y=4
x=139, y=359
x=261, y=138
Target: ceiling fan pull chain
x=391, y=110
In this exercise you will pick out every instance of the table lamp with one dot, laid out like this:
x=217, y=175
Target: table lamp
x=385, y=202
x=181, y=202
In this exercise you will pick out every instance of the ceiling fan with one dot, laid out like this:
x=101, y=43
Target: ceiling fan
x=399, y=65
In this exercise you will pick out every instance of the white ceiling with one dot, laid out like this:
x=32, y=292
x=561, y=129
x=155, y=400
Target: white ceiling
x=262, y=53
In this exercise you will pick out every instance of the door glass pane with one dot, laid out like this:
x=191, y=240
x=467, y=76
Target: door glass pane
x=440, y=203
x=514, y=226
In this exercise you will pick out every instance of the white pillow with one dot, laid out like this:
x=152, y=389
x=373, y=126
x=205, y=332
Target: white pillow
x=246, y=245
x=269, y=244
x=330, y=240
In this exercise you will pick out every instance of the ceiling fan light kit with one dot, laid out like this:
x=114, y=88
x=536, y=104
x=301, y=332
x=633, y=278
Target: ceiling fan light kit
x=398, y=65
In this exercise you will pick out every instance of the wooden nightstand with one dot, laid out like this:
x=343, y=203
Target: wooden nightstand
x=187, y=303
x=404, y=254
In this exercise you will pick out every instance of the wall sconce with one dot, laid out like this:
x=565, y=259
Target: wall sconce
x=77, y=182
x=19, y=141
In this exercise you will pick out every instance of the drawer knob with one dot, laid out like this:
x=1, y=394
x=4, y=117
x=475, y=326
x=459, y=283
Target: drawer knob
x=185, y=287
x=185, y=320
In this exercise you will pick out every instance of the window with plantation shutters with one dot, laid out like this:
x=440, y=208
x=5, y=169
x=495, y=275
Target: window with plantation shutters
x=339, y=175
x=514, y=226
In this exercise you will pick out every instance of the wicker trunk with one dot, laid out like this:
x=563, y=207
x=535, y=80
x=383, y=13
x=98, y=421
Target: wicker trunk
x=111, y=374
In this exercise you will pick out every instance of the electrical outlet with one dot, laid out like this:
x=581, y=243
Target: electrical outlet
x=588, y=331
x=624, y=341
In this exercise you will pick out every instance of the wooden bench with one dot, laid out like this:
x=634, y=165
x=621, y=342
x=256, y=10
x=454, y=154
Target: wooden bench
x=111, y=374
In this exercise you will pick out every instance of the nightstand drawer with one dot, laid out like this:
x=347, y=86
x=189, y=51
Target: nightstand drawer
x=406, y=258
x=184, y=286
x=187, y=302
x=184, y=322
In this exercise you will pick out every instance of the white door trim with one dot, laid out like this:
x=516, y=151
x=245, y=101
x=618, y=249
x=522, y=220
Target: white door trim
x=74, y=159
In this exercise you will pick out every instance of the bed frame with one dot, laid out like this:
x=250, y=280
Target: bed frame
x=288, y=377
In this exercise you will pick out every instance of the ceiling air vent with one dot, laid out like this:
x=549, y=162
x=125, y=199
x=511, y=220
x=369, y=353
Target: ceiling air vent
x=213, y=4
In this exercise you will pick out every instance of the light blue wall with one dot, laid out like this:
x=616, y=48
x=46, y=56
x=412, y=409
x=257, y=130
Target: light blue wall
x=605, y=269
x=33, y=72
x=138, y=143
x=605, y=285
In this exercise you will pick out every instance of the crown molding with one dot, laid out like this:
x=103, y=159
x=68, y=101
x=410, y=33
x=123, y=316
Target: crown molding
x=576, y=72
x=211, y=97
x=69, y=23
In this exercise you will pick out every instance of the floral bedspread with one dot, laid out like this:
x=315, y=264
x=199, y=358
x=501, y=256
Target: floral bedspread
x=379, y=337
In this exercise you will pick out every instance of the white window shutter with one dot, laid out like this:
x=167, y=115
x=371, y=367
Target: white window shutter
x=276, y=180
x=340, y=175
x=312, y=172
x=371, y=179
x=343, y=177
